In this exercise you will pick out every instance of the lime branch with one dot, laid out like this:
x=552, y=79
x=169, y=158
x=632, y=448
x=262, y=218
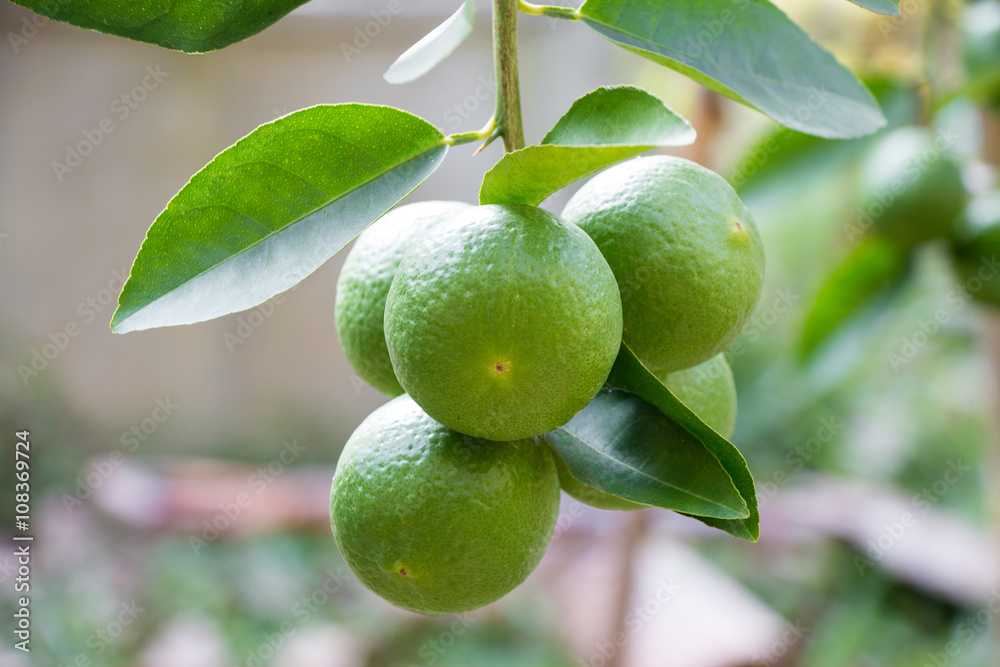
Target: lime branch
x=508, y=111
x=486, y=134
x=548, y=10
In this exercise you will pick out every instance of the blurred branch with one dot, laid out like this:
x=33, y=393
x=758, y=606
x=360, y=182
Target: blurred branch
x=633, y=530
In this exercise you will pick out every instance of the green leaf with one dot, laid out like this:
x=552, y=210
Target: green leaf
x=622, y=445
x=747, y=50
x=889, y=7
x=437, y=45
x=269, y=210
x=184, y=25
x=604, y=126
x=788, y=158
x=872, y=266
x=629, y=374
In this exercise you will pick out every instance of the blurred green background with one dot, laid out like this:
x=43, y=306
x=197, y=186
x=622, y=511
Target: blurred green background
x=180, y=476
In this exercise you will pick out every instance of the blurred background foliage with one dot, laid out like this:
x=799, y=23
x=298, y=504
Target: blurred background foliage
x=207, y=545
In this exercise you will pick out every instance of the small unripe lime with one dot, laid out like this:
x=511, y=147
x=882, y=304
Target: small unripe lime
x=503, y=322
x=439, y=522
x=685, y=251
x=364, y=283
x=911, y=187
x=976, y=250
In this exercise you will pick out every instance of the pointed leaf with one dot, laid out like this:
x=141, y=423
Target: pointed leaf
x=889, y=7
x=629, y=374
x=747, y=50
x=622, y=445
x=193, y=26
x=437, y=45
x=602, y=127
x=269, y=210
x=872, y=266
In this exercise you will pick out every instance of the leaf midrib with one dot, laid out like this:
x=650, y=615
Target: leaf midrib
x=670, y=485
x=798, y=87
x=275, y=232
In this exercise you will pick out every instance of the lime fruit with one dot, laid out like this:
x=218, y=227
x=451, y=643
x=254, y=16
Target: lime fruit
x=364, y=283
x=439, y=522
x=707, y=389
x=685, y=251
x=976, y=250
x=503, y=322
x=911, y=188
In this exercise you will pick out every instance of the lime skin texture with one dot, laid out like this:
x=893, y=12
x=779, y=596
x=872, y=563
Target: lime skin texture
x=435, y=521
x=685, y=251
x=708, y=389
x=503, y=322
x=364, y=283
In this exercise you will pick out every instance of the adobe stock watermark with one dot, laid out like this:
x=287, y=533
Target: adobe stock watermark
x=100, y=471
x=363, y=34
x=121, y=108
x=797, y=458
x=30, y=25
x=87, y=311
x=257, y=481
x=103, y=638
x=941, y=143
x=248, y=322
x=888, y=25
x=635, y=620
x=911, y=345
x=462, y=110
x=434, y=648
x=709, y=32
x=762, y=320
x=773, y=654
x=966, y=631
x=302, y=611
x=921, y=504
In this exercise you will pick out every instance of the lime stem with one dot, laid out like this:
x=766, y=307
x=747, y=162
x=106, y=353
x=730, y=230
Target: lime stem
x=548, y=10
x=508, y=109
x=486, y=133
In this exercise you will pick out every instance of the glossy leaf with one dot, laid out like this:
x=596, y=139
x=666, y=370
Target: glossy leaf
x=602, y=127
x=872, y=266
x=622, y=445
x=437, y=45
x=629, y=374
x=272, y=208
x=889, y=7
x=184, y=25
x=788, y=158
x=747, y=50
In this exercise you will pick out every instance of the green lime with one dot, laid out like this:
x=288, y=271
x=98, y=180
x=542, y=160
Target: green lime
x=685, y=251
x=439, y=522
x=364, y=283
x=707, y=389
x=976, y=251
x=911, y=187
x=503, y=322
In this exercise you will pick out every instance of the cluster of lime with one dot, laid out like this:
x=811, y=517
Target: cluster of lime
x=500, y=323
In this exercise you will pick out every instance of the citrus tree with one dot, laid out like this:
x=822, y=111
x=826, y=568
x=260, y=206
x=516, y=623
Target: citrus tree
x=527, y=351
